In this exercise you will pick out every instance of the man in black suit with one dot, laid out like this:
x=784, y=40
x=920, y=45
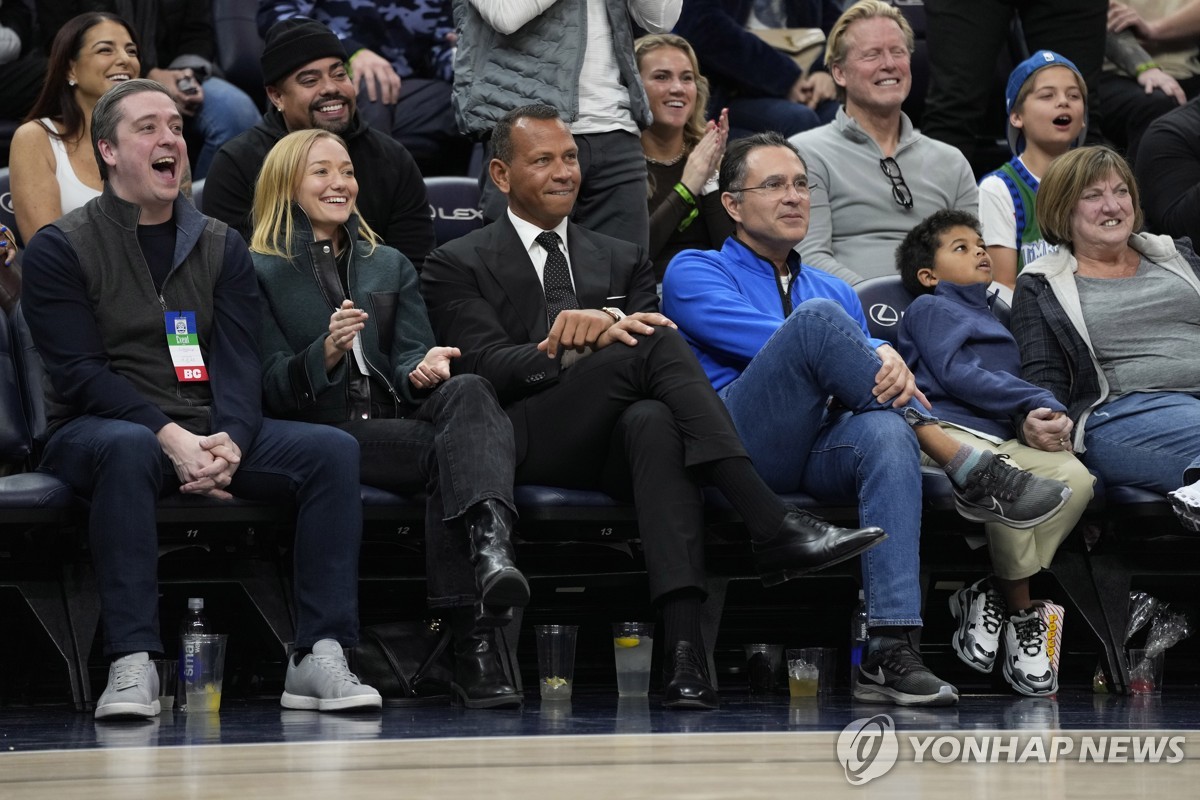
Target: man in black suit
x=601, y=389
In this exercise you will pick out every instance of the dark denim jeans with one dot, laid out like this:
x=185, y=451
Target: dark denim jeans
x=122, y=469
x=458, y=447
x=779, y=405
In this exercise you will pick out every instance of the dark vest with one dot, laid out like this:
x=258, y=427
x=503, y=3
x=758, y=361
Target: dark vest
x=128, y=311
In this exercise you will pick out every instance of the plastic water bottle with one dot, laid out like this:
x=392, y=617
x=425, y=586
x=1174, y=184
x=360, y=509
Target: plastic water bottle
x=194, y=621
x=858, y=636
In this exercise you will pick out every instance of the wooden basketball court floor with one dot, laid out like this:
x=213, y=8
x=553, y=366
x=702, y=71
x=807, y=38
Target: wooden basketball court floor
x=990, y=746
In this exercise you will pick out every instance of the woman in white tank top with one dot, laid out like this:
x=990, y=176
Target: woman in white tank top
x=52, y=166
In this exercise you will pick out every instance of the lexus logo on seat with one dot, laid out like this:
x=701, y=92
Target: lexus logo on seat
x=884, y=315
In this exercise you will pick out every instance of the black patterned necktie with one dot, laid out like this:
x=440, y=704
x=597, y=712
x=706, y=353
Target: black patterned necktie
x=556, y=277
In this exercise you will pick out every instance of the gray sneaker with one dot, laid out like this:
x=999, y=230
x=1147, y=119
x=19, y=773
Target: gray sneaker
x=893, y=672
x=323, y=682
x=996, y=491
x=132, y=689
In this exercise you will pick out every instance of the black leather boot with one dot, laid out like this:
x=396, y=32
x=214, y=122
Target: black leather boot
x=805, y=542
x=480, y=680
x=499, y=583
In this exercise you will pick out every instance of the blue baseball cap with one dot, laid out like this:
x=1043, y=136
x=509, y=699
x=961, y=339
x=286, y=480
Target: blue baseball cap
x=1020, y=75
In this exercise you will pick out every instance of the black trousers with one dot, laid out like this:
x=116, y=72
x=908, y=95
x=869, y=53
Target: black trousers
x=965, y=41
x=1127, y=110
x=634, y=422
x=457, y=446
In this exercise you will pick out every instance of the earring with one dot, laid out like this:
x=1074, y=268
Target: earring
x=71, y=82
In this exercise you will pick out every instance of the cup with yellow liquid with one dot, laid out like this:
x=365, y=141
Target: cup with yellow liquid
x=203, y=670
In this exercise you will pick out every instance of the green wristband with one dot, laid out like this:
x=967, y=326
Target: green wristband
x=1145, y=66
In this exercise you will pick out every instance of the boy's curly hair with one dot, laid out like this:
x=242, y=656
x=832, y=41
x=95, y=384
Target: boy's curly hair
x=920, y=246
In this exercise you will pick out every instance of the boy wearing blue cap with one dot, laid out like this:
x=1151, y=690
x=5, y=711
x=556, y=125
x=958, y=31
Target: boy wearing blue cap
x=1046, y=100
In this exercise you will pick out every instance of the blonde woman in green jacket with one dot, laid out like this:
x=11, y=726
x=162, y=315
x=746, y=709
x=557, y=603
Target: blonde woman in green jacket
x=346, y=341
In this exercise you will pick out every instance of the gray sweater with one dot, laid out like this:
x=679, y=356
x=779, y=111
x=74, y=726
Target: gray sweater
x=855, y=224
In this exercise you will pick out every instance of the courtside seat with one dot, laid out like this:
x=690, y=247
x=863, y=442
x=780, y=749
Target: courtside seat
x=34, y=513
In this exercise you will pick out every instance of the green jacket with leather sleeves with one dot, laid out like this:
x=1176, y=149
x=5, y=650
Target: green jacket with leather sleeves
x=298, y=297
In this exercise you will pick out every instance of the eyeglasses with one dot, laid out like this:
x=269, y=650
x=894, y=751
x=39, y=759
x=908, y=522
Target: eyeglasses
x=900, y=191
x=777, y=187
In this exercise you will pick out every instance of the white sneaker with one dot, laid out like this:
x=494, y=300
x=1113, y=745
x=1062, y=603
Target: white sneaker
x=979, y=611
x=1186, y=502
x=1026, y=659
x=323, y=682
x=132, y=689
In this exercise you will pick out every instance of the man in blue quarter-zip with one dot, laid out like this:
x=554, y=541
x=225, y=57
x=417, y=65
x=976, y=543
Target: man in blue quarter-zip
x=146, y=315
x=823, y=408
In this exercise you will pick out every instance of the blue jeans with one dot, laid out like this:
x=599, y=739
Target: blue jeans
x=225, y=113
x=120, y=467
x=779, y=406
x=1151, y=440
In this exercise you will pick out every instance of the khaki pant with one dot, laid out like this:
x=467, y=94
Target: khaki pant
x=1018, y=554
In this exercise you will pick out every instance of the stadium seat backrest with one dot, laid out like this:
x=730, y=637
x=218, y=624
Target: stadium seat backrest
x=8, y=217
x=454, y=206
x=14, y=431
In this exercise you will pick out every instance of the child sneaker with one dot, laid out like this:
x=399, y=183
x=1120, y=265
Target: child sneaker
x=1026, y=659
x=996, y=491
x=979, y=610
x=323, y=682
x=1186, y=502
x=132, y=689
x=893, y=672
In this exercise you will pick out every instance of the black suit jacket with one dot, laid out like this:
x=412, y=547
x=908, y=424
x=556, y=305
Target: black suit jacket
x=484, y=297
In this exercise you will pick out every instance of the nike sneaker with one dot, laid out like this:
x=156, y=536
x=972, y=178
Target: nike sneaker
x=893, y=672
x=996, y=491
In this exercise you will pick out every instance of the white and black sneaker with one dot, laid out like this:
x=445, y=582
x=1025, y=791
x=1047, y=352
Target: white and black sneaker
x=893, y=672
x=996, y=491
x=1026, y=658
x=1186, y=502
x=979, y=610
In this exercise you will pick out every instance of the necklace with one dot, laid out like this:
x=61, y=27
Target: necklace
x=669, y=162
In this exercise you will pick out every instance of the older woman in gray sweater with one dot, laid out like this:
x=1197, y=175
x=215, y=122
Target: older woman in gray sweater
x=1108, y=322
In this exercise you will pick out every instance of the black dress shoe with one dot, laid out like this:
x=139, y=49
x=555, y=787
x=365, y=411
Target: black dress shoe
x=687, y=681
x=805, y=543
x=499, y=582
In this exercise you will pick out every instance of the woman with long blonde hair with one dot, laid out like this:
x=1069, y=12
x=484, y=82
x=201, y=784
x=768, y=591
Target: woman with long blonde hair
x=346, y=341
x=683, y=151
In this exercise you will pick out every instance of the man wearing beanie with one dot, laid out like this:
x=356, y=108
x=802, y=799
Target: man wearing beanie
x=304, y=69
x=401, y=58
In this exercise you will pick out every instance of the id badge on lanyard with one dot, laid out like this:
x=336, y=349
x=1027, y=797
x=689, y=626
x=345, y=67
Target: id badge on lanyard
x=183, y=342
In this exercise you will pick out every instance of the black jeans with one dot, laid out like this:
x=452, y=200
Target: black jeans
x=457, y=446
x=634, y=421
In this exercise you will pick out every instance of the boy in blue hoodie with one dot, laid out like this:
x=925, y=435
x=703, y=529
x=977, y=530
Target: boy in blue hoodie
x=967, y=363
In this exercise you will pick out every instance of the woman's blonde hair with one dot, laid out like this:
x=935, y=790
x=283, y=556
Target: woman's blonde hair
x=275, y=194
x=694, y=130
x=1065, y=181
